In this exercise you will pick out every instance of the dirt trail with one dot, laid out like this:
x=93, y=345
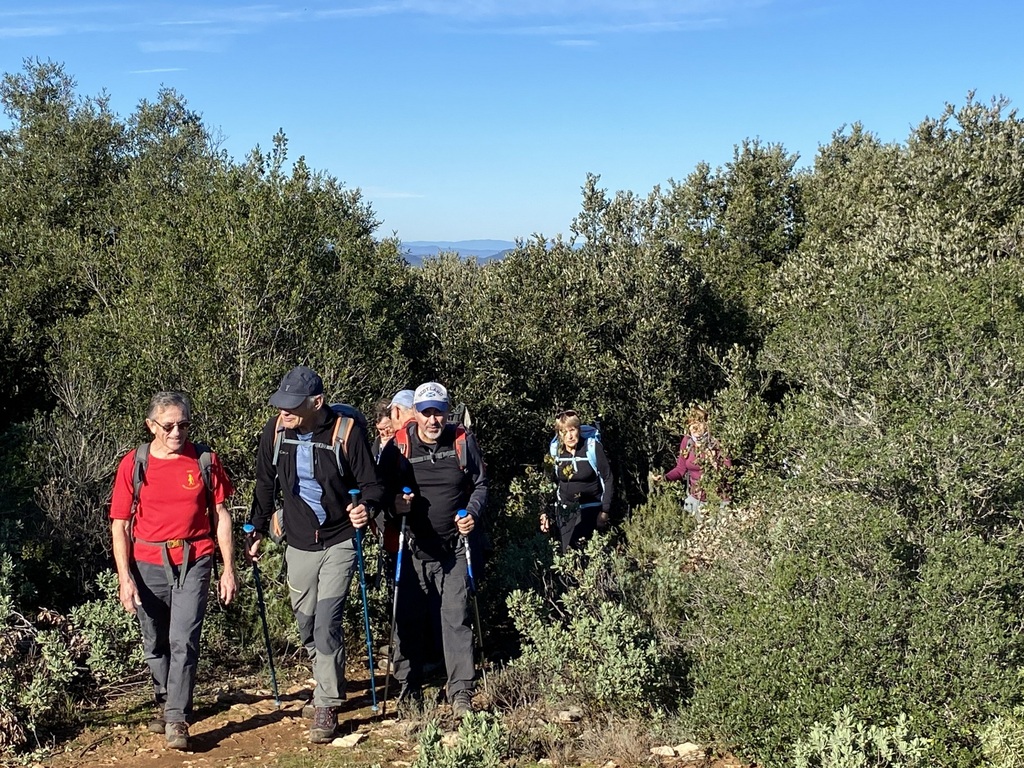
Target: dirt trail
x=239, y=727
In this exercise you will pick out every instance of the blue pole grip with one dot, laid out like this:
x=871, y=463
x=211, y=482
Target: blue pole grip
x=461, y=513
x=248, y=529
x=407, y=489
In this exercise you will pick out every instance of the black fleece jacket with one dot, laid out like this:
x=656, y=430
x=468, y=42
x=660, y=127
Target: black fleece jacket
x=301, y=526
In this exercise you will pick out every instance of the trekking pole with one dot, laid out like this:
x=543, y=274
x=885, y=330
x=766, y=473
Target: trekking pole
x=394, y=608
x=249, y=530
x=354, y=493
x=472, y=591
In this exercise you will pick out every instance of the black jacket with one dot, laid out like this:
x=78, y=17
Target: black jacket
x=303, y=529
x=441, y=489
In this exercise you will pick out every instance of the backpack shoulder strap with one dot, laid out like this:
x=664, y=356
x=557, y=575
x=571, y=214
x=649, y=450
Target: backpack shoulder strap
x=278, y=437
x=139, y=473
x=339, y=438
x=592, y=454
x=205, y=458
x=460, y=447
x=401, y=439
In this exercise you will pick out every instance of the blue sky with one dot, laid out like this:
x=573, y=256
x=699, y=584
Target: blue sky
x=463, y=119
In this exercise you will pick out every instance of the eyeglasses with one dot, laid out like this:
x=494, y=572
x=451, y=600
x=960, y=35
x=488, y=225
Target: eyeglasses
x=168, y=428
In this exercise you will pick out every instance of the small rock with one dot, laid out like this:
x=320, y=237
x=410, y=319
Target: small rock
x=545, y=761
x=348, y=741
x=610, y=764
x=663, y=751
x=570, y=715
x=400, y=764
x=689, y=749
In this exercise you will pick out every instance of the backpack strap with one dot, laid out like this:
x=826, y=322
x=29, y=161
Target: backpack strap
x=343, y=427
x=459, y=450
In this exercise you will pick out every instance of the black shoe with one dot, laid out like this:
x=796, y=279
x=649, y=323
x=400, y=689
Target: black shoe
x=325, y=725
x=462, y=703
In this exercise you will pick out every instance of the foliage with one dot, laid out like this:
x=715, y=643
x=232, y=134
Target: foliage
x=481, y=742
x=111, y=634
x=848, y=743
x=1002, y=740
x=584, y=645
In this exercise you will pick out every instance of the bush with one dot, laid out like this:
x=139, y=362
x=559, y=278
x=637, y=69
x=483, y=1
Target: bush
x=482, y=742
x=848, y=743
x=1002, y=740
x=586, y=646
x=111, y=634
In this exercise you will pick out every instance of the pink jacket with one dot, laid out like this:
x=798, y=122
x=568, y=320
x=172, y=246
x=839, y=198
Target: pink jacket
x=688, y=465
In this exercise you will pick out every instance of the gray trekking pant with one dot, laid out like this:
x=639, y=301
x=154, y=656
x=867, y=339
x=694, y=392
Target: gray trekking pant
x=318, y=583
x=426, y=588
x=171, y=619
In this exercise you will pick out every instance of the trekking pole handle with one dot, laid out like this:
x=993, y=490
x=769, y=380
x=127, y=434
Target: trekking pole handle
x=354, y=495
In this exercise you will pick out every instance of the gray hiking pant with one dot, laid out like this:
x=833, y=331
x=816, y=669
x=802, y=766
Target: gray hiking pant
x=171, y=619
x=426, y=588
x=318, y=583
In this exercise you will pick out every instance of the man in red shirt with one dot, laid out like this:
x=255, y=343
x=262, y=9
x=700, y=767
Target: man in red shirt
x=164, y=549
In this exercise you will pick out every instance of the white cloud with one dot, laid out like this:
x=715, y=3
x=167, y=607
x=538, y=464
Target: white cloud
x=576, y=43
x=29, y=31
x=373, y=193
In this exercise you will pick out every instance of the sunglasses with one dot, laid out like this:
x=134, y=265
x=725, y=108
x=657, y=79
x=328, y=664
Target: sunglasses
x=168, y=428
x=565, y=415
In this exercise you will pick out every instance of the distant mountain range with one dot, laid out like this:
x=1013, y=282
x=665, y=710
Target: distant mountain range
x=484, y=250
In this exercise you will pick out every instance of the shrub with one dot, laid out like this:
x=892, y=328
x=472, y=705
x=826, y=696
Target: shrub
x=482, y=742
x=849, y=743
x=111, y=634
x=1002, y=740
x=585, y=645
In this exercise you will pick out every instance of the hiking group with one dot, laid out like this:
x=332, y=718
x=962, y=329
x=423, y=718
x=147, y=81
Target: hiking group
x=320, y=486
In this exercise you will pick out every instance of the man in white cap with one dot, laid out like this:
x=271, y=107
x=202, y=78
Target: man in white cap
x=443, y=466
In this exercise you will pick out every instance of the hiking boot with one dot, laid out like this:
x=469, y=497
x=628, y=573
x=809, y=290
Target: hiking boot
x=462, y=703
x=177, y=735
x=325, y=725
x=156, y=723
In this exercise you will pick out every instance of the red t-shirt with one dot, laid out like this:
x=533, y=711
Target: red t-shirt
x=172, y=504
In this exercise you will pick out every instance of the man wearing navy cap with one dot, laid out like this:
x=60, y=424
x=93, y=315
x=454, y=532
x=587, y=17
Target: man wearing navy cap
x=316, y=456
x=443, y=466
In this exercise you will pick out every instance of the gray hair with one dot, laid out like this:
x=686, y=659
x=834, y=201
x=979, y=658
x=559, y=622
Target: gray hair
x=163, y=400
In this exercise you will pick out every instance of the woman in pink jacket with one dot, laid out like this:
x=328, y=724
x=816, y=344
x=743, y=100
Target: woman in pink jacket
x=697, y=451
